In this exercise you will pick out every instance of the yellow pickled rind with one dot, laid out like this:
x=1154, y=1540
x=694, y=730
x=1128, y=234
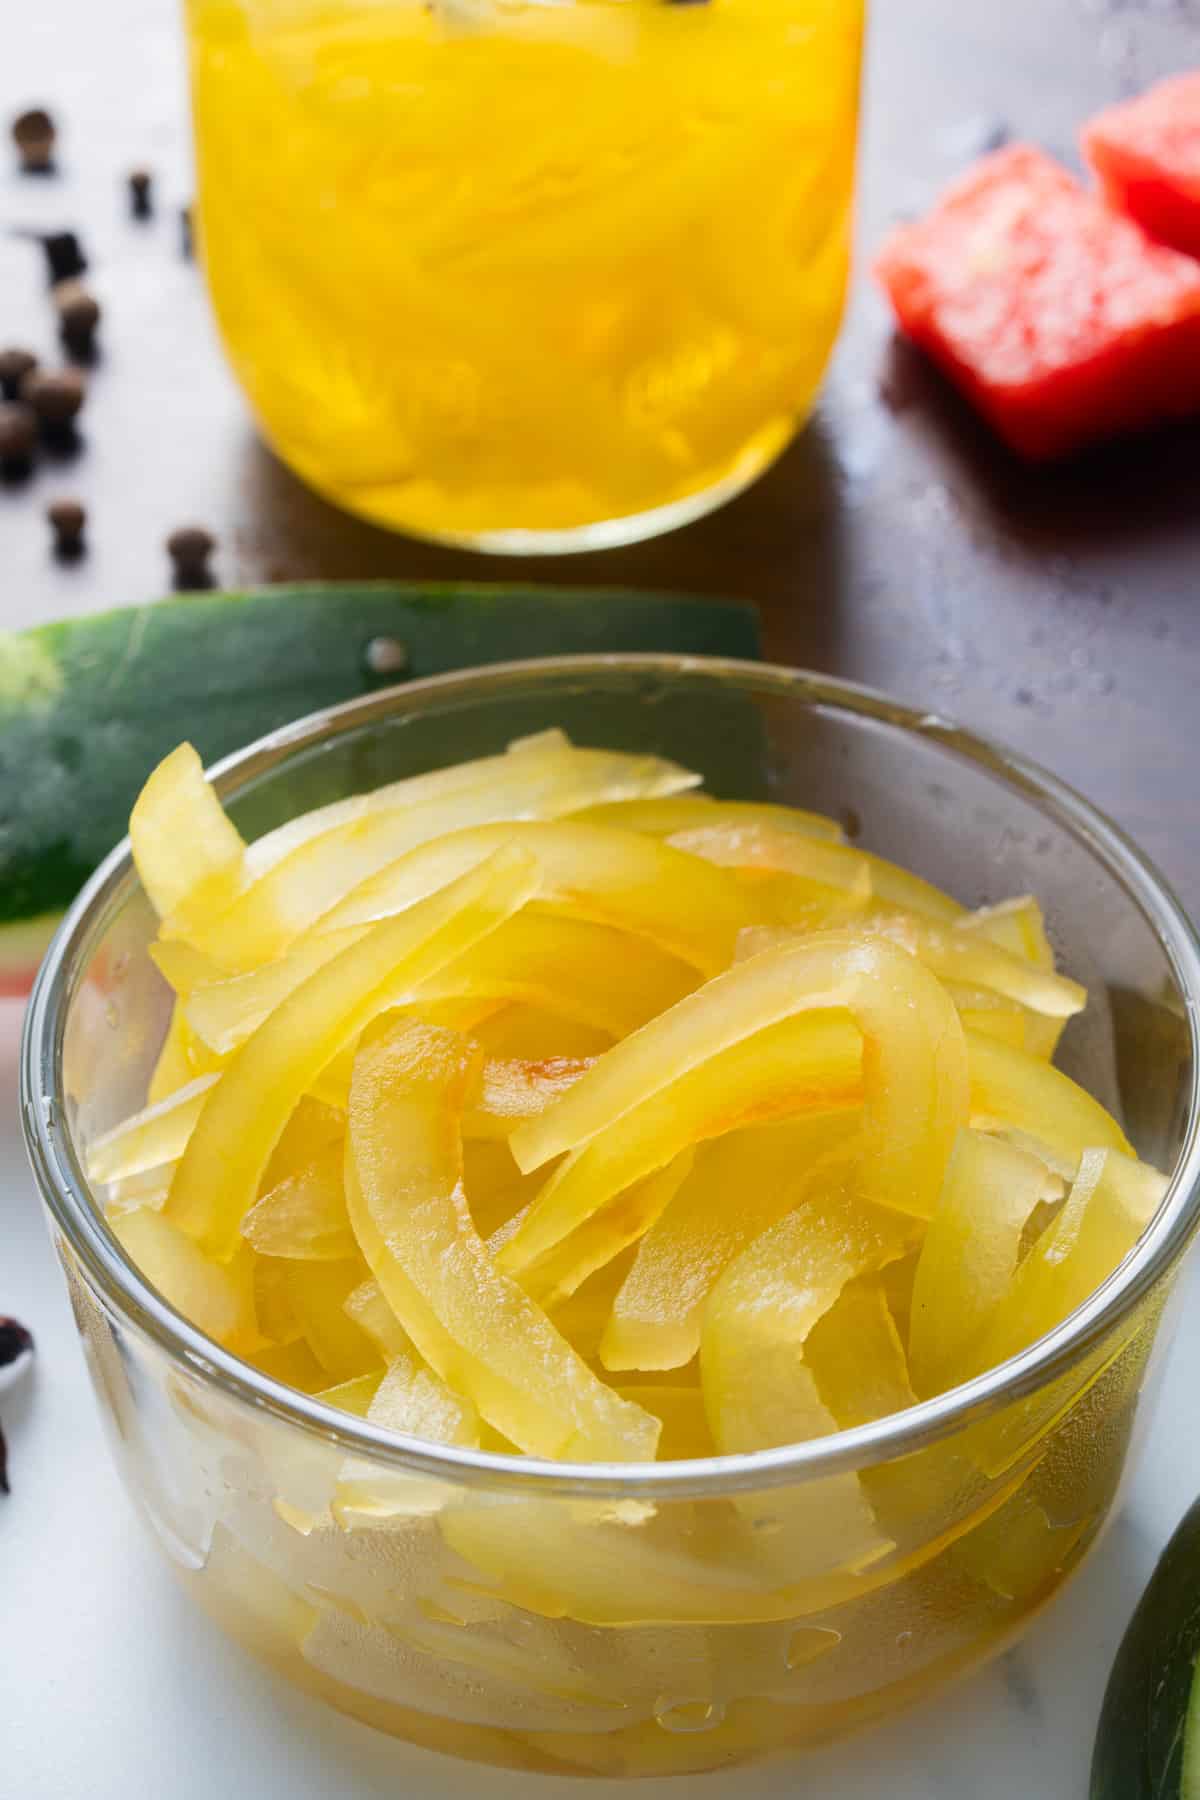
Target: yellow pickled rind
x=657, y=1313
x=970, y=1254
x=810, y=1062
x=224, y=1010
x=757, y=1392
x=1111, y=1203
x=794, y=903
x=412, y=790
x=415, y=1403
x=311, y=1128
x=914, y=1066
x=216, y=1297
x=760, y=1393
x=857, y=1357
x=511, y=1089
x=1101, y=1388
x=1018, y=925
x=491, y=1653
x=293, y=1364
x=955, y=954
x=582, y=1318
x=824, y=973
x=603, y=876
x=1014, y=1088
x=173, y=1068
x=354, y=1396
x=931, y=1499
x=1020, y=1551
x=830, y=1519
x=815, y=1062
x=477, y=1328
x=604, y=1234
x=313, y=877
x=147, y=1190
x=759, y=836
x=158, y=1135
x=897, y=1279
x=504, y=1076
x=317, y=1292
x=185, y=849
x=566, y=966
x=245, y=1111
x=366, y=1305
x=413, y=1400
x=608, y=1566
x=991, y=1015
x=305, y=1215
x=559, y=964
x=682, y=812
x=685, y=1433
x=496, y=1188
x=827, y=866
x=184, y=968
x=514, y=1032
x=900, y=887
x=965, y=958
x=273, y=1309
x=924, y=1501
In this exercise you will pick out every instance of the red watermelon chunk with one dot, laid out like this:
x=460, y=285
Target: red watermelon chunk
x=1057, y=318
x=1147, y=155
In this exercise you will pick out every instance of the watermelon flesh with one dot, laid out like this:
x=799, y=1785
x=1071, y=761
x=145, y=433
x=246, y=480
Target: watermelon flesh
x=1146, y=154
x=1059, y=320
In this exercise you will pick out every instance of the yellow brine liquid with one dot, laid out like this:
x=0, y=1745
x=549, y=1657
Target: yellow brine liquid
x=527, y=275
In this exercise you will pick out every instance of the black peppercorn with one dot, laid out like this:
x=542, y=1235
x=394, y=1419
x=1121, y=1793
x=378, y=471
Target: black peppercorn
x=16, y=1350
x=64, y=255
x=15, y=365
x=33, y=134
x=141, y=193
x=55, y=396
x=189, y=549
x=78, y=316
x=67, y=519
x=16, y=1341
x=18, y=437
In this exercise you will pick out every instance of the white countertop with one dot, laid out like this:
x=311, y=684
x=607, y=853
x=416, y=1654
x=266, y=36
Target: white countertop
x=111, y=1683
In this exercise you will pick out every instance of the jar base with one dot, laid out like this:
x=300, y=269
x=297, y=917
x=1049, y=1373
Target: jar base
x=601, y=534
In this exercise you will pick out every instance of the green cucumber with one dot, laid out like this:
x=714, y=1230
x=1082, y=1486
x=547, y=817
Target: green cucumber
x=1147, y=1745
x=89, y=705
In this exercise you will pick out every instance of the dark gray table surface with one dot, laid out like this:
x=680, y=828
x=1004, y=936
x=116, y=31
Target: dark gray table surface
x=894, y=544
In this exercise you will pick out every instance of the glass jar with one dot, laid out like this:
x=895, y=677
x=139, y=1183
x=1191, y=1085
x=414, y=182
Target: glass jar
x=661, y=1618
x=526, y=275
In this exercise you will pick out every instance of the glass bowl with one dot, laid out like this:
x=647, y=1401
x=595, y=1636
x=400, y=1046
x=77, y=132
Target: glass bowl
x=661, y=1618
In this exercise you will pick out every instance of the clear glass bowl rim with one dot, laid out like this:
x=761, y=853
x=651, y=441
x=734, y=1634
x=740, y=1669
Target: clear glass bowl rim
x=64, y=1187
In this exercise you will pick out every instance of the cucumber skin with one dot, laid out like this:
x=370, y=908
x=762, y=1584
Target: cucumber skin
x=1139, y=1744
x=88, y=706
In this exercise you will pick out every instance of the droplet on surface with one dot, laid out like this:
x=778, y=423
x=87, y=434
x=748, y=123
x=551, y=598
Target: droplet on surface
x=688, y=1715
x=809, y=1642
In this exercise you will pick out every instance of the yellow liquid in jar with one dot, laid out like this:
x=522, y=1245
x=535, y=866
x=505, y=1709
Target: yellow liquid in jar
x=504, y=272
